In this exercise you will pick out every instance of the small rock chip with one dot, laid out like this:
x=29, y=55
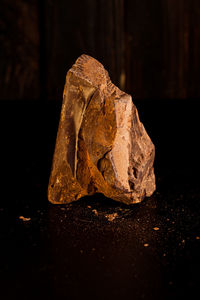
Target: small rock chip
x=111, y=217
x=24, y=219
x=95, y=212
x=156, y=228
x=101, y=147
x=197, y=237
x=146, y=245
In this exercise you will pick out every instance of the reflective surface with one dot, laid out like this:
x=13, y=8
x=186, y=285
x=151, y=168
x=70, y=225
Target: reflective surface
x=97, y=248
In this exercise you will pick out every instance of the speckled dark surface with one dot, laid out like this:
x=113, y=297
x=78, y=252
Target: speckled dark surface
x=74, y=251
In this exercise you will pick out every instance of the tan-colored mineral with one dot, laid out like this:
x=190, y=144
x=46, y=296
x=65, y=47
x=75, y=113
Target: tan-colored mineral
x=101, y=146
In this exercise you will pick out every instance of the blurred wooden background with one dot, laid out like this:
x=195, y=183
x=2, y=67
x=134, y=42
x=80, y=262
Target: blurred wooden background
x=151, y=48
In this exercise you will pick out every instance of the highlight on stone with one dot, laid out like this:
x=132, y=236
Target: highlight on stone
x=101, y=146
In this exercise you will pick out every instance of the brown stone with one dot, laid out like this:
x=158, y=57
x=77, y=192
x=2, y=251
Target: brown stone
x=101, y=146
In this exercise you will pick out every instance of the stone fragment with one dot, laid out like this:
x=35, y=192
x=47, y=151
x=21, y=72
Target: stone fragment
x=101, y=146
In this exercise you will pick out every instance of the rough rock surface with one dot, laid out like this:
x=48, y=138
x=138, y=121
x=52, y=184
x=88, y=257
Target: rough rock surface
x=101, y=146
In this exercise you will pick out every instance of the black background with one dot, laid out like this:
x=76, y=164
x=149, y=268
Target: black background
x=151, y=50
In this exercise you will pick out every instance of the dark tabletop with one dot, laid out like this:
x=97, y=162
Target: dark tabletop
x=97, y=248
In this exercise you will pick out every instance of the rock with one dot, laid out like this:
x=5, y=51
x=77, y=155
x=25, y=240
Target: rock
x=101, y=146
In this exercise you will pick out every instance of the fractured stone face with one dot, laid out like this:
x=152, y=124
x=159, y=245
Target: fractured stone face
x=101, y=146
